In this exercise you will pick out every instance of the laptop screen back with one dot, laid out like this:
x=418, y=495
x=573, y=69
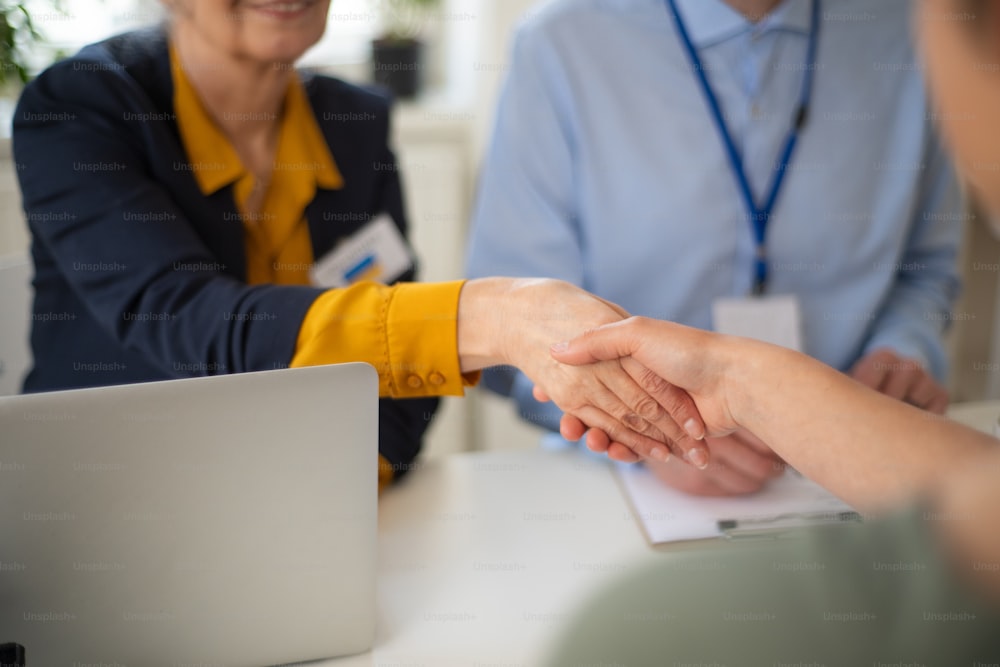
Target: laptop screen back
x=228, y=520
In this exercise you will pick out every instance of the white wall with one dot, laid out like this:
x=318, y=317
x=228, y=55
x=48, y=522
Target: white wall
x=13, y=232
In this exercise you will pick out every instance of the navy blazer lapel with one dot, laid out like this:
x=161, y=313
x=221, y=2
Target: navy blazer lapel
x=216, y=218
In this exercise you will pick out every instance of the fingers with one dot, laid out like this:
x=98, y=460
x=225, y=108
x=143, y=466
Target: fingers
x=924, y=392
x=645, y=444
x=607, y=397
x=745, y=459
x=598, y=441
x=572, y=428
x=665, y=405
x=718, y=480
x=871, y=369
x=611, y=341
x=737, y=468
x=622, y=454
x=939, y=403
x=902, y=379
x=643, y=410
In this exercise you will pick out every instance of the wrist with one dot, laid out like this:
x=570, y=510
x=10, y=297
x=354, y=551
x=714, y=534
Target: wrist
x=479, y=319
x=748, y=366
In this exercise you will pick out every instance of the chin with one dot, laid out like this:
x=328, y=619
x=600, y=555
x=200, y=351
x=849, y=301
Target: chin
x=279, y=51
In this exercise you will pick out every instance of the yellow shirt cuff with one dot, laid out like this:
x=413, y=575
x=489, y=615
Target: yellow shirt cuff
x=408, y=332
x=385, y=473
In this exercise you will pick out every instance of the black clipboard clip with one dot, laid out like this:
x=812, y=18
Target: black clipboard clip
x=780, y=525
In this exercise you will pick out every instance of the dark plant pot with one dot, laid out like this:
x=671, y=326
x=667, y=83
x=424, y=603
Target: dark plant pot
x=398, y=65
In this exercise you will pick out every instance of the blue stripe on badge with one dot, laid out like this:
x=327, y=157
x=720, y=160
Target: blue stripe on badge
x=359, y=268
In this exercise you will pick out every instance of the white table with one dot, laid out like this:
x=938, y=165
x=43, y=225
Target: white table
x=483, y=556
x=981, y=416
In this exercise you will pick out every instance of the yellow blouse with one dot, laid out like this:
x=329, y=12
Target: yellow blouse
x=408, y=332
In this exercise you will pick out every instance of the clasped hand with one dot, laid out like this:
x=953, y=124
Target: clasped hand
x=639, y=412
x=671, y=358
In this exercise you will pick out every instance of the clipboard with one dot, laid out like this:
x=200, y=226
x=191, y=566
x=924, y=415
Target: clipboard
x=672, y=520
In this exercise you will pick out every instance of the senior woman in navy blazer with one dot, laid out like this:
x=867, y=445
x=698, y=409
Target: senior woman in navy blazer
x=56, y=144
x=95, y=254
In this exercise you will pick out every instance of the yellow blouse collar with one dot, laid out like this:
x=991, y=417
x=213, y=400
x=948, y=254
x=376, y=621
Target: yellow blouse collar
x=215, y=163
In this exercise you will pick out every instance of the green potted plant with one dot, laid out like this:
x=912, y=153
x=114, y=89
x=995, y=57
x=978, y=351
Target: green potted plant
x=397, y=54
x=19, y=36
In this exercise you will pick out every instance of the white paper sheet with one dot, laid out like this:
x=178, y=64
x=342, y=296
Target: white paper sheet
x=667, y=515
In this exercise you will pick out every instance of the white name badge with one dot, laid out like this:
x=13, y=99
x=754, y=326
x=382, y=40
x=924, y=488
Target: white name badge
x=376, y=252
x=772, y=319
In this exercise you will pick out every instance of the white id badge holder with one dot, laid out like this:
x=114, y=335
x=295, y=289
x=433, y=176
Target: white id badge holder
x=772, y=319
x=376, y=252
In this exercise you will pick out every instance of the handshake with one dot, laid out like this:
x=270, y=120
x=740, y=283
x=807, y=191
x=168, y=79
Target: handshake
x=599, y=380
x=640, y=388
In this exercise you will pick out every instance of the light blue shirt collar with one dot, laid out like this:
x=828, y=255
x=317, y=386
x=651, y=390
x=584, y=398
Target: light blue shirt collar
x=713, y=21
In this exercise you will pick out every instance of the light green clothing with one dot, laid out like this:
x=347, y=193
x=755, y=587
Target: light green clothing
x=879, y=594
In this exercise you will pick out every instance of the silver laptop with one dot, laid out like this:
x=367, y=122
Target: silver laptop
x=214, y=521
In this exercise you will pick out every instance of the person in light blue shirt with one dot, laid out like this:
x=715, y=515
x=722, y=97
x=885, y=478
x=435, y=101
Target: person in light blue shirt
x=607, y=169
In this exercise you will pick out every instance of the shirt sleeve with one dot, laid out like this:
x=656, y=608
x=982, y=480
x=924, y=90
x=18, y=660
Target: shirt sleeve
x=385, y=473
x=917, y=311
x=525, y=219
x=408, y=332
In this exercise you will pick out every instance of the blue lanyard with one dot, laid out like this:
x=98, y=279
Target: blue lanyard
x=760, y=216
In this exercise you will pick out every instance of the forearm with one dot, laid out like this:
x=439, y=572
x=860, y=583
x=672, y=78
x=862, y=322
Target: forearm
x=504, y=320
x=867, y=448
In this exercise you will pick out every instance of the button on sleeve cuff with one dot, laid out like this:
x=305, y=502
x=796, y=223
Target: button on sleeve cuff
x=408, y=332
x=422, y=330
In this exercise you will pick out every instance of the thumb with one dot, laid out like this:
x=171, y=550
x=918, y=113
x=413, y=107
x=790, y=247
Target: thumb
x=611, y=341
